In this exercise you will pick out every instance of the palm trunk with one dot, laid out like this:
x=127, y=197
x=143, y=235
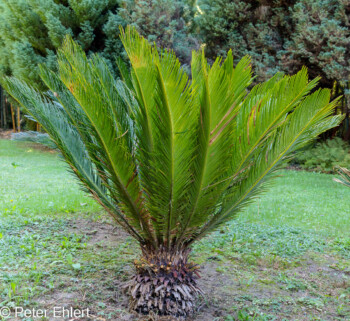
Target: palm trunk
x=165, y=283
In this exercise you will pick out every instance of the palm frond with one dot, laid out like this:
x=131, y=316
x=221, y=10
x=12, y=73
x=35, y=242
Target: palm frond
x=57, y=124
x=312, y=117
x=169, y=110
x=221, y=91
x=345, y=176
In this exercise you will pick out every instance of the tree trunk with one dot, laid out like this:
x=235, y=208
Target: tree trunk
x=165, y=283
x=13, y=119
x=18, y=119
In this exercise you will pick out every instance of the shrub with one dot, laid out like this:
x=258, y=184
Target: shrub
x=245, y=27
x=325, y=156
x=172, y=159
x=31, y=31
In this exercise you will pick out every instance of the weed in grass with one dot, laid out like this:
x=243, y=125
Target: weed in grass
x=246, y=315
x=291, y=284
x=311, y=302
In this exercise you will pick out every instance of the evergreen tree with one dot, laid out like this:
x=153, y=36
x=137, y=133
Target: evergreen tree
x=32, y=30
x=283, y=35
x=165, y=22
x=320, y=39
x=246, y=27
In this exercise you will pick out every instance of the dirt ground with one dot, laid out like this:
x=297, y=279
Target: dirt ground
x=5, y=134
x=226, y=285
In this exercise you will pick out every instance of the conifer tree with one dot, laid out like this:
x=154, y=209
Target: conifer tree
x=32, y=30
x=283, y=35
x=168, y=23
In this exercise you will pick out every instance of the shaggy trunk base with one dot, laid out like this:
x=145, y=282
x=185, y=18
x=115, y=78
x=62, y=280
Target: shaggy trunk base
x=165, y=283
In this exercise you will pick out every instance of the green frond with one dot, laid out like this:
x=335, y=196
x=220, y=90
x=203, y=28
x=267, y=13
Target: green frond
x=124, y=72
x=221, y=92
x=168, y=110
x=108, y=126
x=56, y=122
x=345, y=176
x=265, y=108
x=312, y=117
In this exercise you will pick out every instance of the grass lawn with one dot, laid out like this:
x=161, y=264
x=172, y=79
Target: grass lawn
x=287, y=257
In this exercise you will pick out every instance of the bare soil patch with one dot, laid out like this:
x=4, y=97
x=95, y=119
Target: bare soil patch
x=5, y=134
x=295, y=292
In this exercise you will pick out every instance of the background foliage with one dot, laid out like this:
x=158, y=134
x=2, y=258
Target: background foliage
x=32, y=30
x=283, y=35
x=280, y=35
x=168, y=23
x=325, y=156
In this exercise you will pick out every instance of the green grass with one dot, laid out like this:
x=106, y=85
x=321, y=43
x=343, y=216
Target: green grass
x=36, y=182
x=307, y=200
x=287, y=257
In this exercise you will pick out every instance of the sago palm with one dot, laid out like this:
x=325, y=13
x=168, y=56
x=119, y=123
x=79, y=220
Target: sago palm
x=169, y=157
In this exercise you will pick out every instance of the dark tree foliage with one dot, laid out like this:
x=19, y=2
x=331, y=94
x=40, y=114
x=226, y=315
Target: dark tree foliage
x=279, y=35
x=246, y=27
x=168, y=23
x=282, y=35
x=321, y=39
x=32, y=30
